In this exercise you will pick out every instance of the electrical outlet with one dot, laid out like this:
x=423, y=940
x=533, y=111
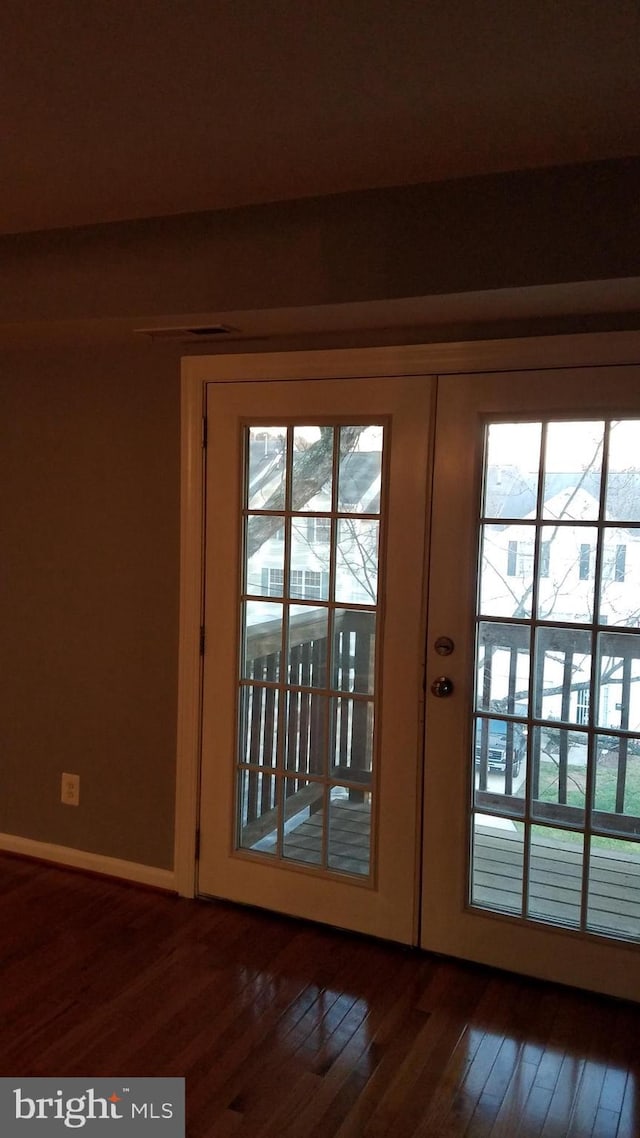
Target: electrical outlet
x=70, y=789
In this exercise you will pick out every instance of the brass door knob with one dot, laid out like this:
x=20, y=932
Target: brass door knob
x=442, y=687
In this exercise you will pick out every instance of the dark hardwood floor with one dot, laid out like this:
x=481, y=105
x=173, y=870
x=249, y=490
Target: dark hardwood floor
x=285, y=1030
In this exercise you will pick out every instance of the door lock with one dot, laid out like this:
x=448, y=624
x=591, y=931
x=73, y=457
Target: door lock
x=444, y=646
x=442, y=687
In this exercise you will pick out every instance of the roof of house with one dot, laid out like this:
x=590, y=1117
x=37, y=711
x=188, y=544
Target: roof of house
x=359, y=477
x=511, y=494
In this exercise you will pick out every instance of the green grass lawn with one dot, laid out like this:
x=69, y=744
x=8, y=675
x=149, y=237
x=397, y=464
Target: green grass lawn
x=605, y=791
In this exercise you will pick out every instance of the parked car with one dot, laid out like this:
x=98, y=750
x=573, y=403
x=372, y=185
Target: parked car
x=497, y=749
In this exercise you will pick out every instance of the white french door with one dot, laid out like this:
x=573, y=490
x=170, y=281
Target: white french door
x=316, y=511
x=523, y=851
x=531, y=855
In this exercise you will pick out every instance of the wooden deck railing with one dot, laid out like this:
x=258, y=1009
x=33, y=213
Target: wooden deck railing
x=312, y=730
x=551, y=740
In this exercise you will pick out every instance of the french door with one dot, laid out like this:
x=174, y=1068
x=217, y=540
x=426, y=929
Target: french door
x=523, y=849
x=316, y=510
x=531, y=856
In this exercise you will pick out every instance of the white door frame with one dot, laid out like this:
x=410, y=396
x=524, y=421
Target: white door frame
x=415, y=359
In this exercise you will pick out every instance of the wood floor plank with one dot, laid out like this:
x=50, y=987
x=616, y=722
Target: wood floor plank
x=492, y=1019
x=287, y=1030
x=345, y=1081
x=587, y=1099
x=629, y=1123
x=534, y=1113
x=515, y=1098
x=606, y=1123
x=484, y=1117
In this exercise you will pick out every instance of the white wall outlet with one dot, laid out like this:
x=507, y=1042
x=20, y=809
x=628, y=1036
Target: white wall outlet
x=70, y=789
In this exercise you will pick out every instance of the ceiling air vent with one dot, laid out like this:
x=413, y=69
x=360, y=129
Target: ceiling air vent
x=200, y=331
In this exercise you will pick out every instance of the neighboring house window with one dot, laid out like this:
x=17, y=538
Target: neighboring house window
x=319, y=530
x=620, y=562
x=545, y=558
x=313, y=585
x=296, y=583
x=304, y=584
x=279, y=534
x=275, y=582
x=582, y=706
x=512, y=559
x=585, y=560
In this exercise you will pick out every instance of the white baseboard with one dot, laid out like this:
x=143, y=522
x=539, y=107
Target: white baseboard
x=94, y=863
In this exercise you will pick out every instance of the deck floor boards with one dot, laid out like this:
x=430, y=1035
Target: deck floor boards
x=555, y=879
x=555, y=882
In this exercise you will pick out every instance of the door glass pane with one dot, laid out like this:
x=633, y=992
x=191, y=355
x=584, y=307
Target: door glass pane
x=497, y=864
x=620, y=582
x=350, y=830
x=563, y=674
x=500, y=764
x=303, y=821
x=614, y=888
x=357, y=561
x=556, y=732
x=566, y=590
x=258, y=811
x=264, y=555
x=616, y=798
x=623, y=482
x=573, y=465
x=502, y=679
x=306, y=732
x=559, y=774
x=354, y=650
x=506, y=570
x=307, y=641
x=310, y=556
x=266, y=474
x=555, y=875
x=312, y=468
x=511, y=470
x=352, y=745
x=307, y=677
x=359, y=481
x=619, y=702
x=262, y=641
x=258, y=738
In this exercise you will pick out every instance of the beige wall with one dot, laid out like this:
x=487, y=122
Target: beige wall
x=90, y=487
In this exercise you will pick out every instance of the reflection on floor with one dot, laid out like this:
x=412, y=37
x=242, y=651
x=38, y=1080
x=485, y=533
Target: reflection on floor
x=555, y=881
x=284, y=1029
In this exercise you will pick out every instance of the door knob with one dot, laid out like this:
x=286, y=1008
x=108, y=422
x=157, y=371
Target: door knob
x=442, y=687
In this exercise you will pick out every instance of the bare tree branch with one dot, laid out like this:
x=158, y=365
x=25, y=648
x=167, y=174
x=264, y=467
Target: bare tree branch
x=313, y=468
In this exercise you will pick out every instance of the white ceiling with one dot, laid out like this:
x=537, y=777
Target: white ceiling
x=113, y=109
